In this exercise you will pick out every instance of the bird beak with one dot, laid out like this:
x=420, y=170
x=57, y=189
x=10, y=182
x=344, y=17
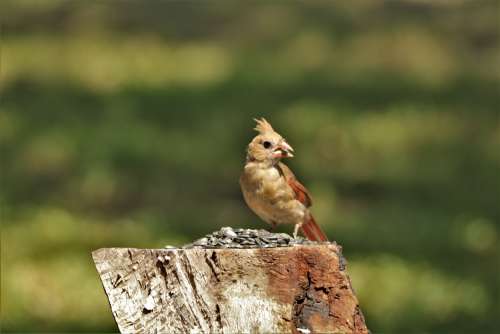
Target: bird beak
x=283, y=150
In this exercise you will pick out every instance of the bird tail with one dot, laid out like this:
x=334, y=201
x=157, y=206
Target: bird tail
x=312, y=231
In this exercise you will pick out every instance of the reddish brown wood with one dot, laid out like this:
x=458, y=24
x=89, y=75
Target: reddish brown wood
x=297, y=289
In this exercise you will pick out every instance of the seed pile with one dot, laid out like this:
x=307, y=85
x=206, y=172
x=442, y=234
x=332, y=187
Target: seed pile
x=228, y=237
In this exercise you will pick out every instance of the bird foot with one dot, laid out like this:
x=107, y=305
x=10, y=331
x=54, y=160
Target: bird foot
x=296, y=230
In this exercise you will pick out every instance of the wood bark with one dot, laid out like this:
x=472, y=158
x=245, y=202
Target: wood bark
x=298, y=289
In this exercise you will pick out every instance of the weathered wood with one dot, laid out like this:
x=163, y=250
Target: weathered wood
x=302, y=288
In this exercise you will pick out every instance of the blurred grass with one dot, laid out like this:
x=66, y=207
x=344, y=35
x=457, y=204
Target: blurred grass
x=125, y=124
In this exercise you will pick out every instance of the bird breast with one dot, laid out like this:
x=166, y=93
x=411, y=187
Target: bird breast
x=268, y=183
x=268, y=194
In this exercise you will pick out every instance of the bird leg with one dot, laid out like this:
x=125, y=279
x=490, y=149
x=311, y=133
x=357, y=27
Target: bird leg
x=296, y=230
x=273, y=225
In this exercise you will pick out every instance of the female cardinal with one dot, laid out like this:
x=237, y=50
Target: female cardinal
x=269, y=187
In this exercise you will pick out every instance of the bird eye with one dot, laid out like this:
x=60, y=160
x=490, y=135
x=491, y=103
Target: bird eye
x=266, y=144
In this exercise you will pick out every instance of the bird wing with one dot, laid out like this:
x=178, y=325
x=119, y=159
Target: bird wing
x=301, y=193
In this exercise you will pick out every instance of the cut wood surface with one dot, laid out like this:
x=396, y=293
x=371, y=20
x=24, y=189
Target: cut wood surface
x=294, y=289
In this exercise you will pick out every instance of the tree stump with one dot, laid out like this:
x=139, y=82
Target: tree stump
x=299, y=288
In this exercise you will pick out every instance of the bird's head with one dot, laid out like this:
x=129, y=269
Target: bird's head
x=268, y=145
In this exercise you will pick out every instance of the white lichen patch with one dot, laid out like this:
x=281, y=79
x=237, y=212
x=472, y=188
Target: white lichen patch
x=149, y=304
x=250, y=310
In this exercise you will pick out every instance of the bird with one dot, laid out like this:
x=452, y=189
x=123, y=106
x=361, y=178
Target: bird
x=270, y=188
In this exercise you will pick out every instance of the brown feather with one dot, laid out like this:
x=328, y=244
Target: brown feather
x=263, y=126
x=312, y=231
x=301, y=193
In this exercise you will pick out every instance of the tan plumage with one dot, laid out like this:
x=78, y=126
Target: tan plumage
x=270, y=188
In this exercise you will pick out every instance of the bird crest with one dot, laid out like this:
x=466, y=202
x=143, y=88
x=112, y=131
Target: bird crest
x=263, y=126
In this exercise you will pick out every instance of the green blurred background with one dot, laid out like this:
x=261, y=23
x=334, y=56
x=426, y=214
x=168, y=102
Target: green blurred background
x=124, y=123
